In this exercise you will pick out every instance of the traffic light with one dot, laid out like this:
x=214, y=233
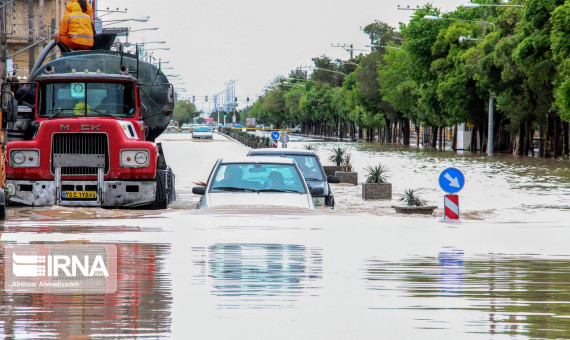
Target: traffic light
x=193, y=99
x=235, y=100
x=247, y=100
x=206, y=98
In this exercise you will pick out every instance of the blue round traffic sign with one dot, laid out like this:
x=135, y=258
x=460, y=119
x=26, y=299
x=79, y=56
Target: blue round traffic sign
x=275, y=135
x=451, y=180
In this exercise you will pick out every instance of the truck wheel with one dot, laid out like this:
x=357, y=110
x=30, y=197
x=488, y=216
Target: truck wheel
x=161, y=200
x=171, y=180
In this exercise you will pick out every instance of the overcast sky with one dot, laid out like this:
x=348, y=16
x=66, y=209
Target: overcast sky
x=214, y=41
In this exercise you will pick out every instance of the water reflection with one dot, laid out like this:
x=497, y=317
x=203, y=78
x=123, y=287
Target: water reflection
x=515, y=296
x=140, y=307
x=247, y=275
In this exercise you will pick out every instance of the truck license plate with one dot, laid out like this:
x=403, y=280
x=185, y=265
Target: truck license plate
x=79, y=195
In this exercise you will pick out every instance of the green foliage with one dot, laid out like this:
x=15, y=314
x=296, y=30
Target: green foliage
x=411, y=198
x=310, y=147
x=184, y=111
x=376, y=174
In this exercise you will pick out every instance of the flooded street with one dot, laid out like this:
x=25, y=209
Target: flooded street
x=360, y=271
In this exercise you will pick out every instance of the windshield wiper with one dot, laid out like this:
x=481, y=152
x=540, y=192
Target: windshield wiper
x=233, y=189
x=58, y=111
x=105, y=114
x=278, y=190
x=312, y=179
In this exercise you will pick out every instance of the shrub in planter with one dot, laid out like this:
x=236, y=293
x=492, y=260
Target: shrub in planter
x=414, y=204
x=338, y=155
x=346, y=174
x=376, y=185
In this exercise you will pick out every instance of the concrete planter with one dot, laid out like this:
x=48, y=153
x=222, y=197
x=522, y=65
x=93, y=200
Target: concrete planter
x=407, y=209
x=347, y=177
x=330, y=170
x=377, y=191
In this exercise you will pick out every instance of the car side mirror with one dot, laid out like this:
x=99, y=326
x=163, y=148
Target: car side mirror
x=333, y=179
x=316, y=191
x=200, y=190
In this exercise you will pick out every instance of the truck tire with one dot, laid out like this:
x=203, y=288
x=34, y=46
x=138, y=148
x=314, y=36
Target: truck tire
x=161, y=201
x=171, y=181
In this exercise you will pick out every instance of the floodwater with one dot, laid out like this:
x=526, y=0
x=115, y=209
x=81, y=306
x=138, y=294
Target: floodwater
x=358, y=272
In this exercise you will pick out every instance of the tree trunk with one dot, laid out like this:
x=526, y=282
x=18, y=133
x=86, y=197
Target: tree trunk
x=434, y=130
x=520, y=143
x=454, y=138
x=557, y=137
x=406, y=130
x=566, y=138
x=473, y=143
x=527, y=144
x=548, y=138
x=530, y=135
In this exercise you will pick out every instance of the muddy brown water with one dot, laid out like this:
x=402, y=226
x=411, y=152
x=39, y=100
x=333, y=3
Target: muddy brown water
x=358, y=272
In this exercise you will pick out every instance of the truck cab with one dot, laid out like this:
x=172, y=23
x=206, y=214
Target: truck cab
x=89, y=146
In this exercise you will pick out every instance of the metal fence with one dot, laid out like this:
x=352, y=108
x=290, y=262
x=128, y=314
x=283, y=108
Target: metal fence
x=22, y=31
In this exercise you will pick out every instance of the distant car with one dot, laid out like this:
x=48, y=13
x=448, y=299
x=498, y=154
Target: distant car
x=202, y=132
x=256, y=182
x=296, y=129
x=312, y=169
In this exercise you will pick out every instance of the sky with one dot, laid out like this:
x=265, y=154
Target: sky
x=252, y=41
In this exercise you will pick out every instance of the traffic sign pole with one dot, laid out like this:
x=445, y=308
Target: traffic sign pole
x=451, y=207
x=274, y=142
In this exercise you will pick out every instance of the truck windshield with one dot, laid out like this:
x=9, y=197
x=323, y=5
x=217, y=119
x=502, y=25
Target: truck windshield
x=86, y=99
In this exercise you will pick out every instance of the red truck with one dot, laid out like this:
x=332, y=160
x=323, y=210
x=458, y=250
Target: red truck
x=85, y=132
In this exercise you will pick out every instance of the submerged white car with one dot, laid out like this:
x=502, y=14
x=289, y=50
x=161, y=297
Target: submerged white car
x=256, y=182
x=202, y=132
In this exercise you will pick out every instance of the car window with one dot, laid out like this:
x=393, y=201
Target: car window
x=254, y=177
x=309, y=165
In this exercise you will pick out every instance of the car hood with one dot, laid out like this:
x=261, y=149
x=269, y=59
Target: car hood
x=259, y=199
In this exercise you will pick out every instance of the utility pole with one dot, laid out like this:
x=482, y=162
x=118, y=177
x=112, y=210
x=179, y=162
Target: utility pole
x=31, y=54
x=349, y=48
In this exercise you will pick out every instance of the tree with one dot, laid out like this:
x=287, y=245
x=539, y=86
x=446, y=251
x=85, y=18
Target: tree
x=185, y=111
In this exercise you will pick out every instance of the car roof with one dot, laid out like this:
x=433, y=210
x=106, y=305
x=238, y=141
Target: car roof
x=274, y=151
x=251, y=160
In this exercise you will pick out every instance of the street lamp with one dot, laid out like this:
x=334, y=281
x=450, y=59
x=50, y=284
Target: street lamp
x=158, y=49
x=111, y=22
x=324, y=69
x=468, y=38
x=433, y=17
x=472, y=5
x=384, y=46
x=340, y=60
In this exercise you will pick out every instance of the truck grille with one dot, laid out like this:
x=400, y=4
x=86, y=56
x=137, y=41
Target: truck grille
x=80, y=143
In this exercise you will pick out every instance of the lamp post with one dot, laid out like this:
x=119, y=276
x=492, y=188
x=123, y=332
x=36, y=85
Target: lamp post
x=491, y=127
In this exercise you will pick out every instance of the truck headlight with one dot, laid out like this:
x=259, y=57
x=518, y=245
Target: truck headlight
x=24, y=158
x=135, y=158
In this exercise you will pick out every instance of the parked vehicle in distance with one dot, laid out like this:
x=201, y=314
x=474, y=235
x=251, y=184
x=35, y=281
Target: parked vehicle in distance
x=311, y=168
x=202, y=132
x=296, y=129
x=256, y=182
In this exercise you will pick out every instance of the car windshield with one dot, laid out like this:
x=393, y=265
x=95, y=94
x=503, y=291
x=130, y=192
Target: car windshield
x=202, y=129
x=86, y=99
x=309, y=165
x=257, y=178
